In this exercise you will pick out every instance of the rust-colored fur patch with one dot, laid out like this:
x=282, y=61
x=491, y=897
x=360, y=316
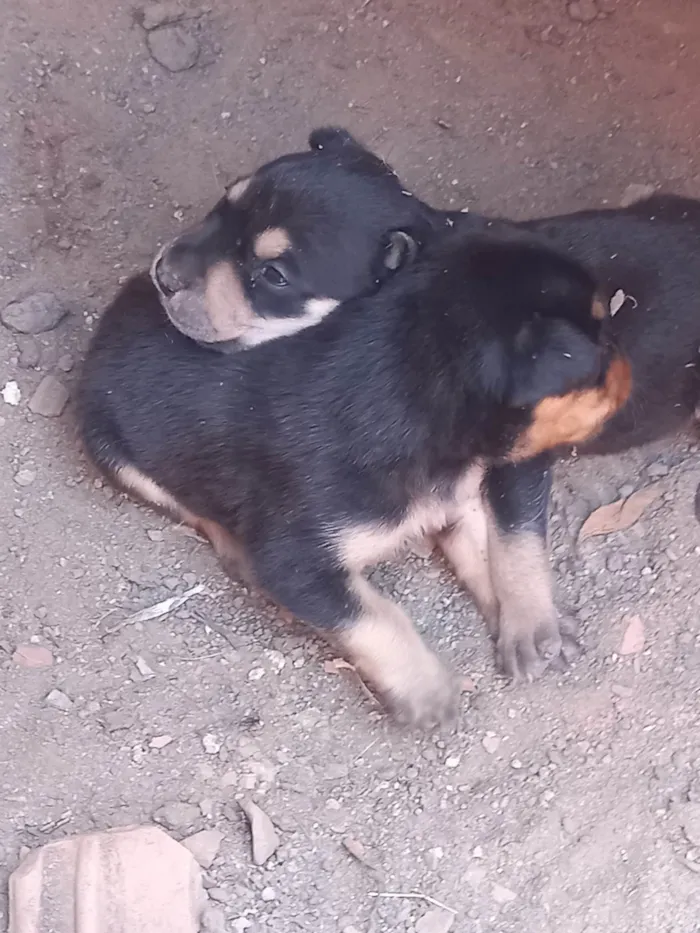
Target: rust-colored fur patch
x=576, y=417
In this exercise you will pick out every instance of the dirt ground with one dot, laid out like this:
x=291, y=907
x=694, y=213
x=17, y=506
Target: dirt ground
x=572, y=805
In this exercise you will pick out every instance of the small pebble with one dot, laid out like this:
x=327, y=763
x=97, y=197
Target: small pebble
x=25, y=477
x=436, y=920
x=211, y=744
x=11, y=394
x=29, y=352
x=204, y=846
x=173, y=48
x=58, y=700
x=32, y=656
x=491, y=743
x=502, y=895
x=583, y=11
x=49, y=398
x=268, y=894
x=212, y=920
x=35, y=314
x=177, y=815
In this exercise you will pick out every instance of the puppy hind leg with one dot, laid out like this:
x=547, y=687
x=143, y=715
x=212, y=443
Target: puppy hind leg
x=373, y=634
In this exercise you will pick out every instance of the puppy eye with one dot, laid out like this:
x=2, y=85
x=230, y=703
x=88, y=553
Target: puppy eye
x=273, y=276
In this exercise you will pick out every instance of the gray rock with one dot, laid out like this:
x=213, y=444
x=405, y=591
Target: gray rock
x=177, y=815
x=25, y=477
x=204, y=846
x=436, y=921
x=173, y=48
x=35, y=314
x=50, y=398
x=583, y=11
x=58, y=700
x=212, y=920
x=29, y=352
x=264, y=836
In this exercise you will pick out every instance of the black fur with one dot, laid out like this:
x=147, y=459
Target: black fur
x=383, y=406
x=392, y=396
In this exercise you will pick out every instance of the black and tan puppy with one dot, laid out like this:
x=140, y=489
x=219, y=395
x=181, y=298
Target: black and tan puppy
x=646, y=257
x=289, y=242
x=306, y=459
x=649, y=252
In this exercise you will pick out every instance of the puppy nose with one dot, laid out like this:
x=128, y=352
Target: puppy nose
x=171, y=276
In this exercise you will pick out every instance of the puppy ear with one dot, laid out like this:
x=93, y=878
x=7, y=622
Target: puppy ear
x=333, y=139
x=552, y=357
x=400, y=249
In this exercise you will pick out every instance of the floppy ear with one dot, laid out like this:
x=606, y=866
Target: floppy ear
x=551, y=357
x=400, y=249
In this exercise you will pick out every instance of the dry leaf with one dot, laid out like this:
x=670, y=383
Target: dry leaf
x=633, y=639
x=617, y=301
x=264, y=838
x=617, y=516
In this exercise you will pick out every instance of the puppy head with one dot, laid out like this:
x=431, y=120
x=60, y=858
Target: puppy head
x=549, y=358
x=288, y=243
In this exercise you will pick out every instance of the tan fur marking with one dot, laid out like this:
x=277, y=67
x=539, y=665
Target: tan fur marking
x=367, y=544
x=238, y=189
x=263, y=329
x=227, y=549
x=577, y=416
x=143, y=487
x=599, y=309
x=387, y=651
x=466, y=548
x=521, y=576
x=226, y=305
x=529, y=636
x=271, y=243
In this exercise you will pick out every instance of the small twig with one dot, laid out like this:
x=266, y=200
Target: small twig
x=158, y=610
x=415, y=896
x=371, y=744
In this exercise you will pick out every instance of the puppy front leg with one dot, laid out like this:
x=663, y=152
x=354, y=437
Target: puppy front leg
x=465, y=545
x=373, y=634
x=531, y=634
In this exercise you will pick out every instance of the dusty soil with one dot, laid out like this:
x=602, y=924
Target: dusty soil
x=568, y=806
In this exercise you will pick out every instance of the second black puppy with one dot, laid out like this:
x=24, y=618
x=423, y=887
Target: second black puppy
x=308, y=459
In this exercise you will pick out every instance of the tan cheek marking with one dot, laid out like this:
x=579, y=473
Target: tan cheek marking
x=271, y=243
x=598, y=309
x=237, y=190
x=226, y=305
x=264, y=329
x=575, y=417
